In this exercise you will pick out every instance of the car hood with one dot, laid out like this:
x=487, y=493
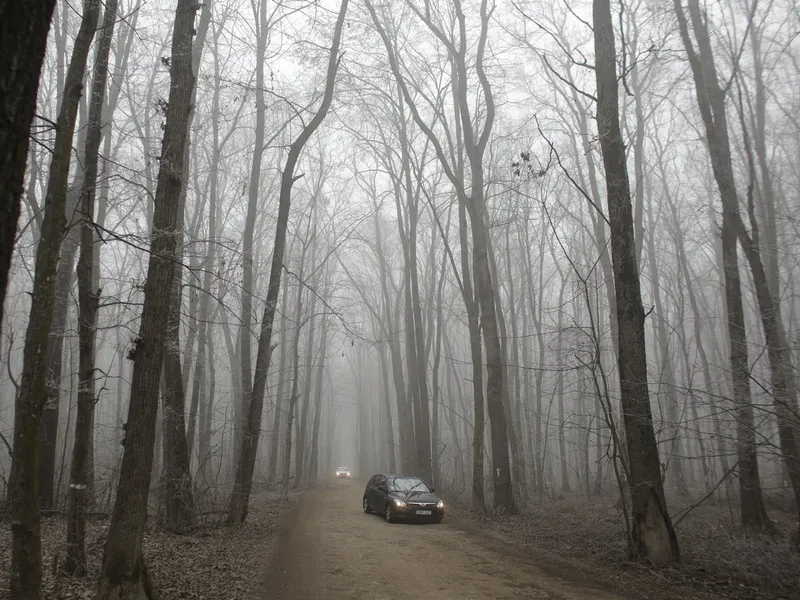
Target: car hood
x=414, y=496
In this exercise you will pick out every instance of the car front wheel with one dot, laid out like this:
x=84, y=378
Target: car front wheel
x=366, y=505
x=388, y=514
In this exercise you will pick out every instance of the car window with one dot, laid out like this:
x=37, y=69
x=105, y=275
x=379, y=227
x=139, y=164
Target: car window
x=407, y=484
x=381, y=480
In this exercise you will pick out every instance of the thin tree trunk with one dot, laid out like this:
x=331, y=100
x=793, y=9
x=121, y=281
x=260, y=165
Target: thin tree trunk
x=392, y=317
x=562, y=450
x=274, y=445
x=711, y=102
x=313, y=462
x=293, y=395
x=26, y=558
x=88, y=302
x=48, y=434
x=673, y=426
x=300, y=449
x=237, y=511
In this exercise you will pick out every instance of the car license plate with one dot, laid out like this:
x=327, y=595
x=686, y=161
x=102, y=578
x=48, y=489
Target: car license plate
x=423, y=512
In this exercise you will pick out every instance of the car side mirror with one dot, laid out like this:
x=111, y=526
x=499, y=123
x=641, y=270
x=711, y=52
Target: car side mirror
x=381, y=488
x=433, y=490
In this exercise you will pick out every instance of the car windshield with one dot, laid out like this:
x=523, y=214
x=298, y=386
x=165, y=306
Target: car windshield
x=407, y=484
x=342, y=469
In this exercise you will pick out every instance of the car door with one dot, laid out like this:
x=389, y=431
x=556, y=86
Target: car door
x=372, y=492
x=380, y=494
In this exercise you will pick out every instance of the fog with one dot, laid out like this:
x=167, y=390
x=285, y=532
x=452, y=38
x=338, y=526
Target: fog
x=470, y=280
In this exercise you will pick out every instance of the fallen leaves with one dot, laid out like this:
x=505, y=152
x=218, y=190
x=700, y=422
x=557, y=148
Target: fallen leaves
x=213, y=562
x=571, y=535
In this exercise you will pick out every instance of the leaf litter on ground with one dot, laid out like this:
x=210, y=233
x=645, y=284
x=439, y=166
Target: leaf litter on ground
x=213, y=561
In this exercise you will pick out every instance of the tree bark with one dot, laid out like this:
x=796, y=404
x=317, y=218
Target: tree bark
x=711, y=102
x=48, y=434
x=652, y=537
x=88, y=301
x=23, y=37
x=26, y=559
x=124, y=575
x=177, y=493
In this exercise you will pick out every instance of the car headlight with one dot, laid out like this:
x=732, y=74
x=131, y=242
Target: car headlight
x=440, y=504
x=399, y=503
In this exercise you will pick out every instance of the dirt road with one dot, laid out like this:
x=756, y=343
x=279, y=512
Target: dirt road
x=332, y=550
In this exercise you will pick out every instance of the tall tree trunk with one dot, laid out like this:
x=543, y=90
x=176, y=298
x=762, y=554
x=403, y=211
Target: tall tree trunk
x=313, y=462
x=177, y=502
x=207, y=416
x=387, y=407
x=501, y=464
x=294, y=395
x=422, y=427
x=711, y=102
x=26, y=558
x=245, y=335
x=199, y=393
x=300, y=449
x=177, y=495
x=237, y=510
x=23, y=37
x=652, y=537
x=437, y=358
x=673, y=427
x=517, y=454
x=124, y=574
x=274, y=446
x=741, y=390
x=88, y=301
x=391, y=317
x=48, y=434
x=562, y=447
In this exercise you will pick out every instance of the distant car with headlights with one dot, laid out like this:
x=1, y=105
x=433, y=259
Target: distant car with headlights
x=343, y=473
x=402, y=497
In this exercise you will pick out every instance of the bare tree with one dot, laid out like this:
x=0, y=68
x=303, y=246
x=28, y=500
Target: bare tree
x=652, y=537
x=26, y=559
x=711, y=99
x=471, y=192
x=176, y=482
x=88, y=300
x=124, y=575
x=237, y=509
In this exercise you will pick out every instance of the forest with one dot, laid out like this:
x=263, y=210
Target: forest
x=540, y=253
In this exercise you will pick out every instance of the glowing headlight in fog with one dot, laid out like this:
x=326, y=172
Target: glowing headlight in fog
x=440, y=504
x=399, y=503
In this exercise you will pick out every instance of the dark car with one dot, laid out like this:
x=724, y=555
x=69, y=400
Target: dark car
x=402, y=497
